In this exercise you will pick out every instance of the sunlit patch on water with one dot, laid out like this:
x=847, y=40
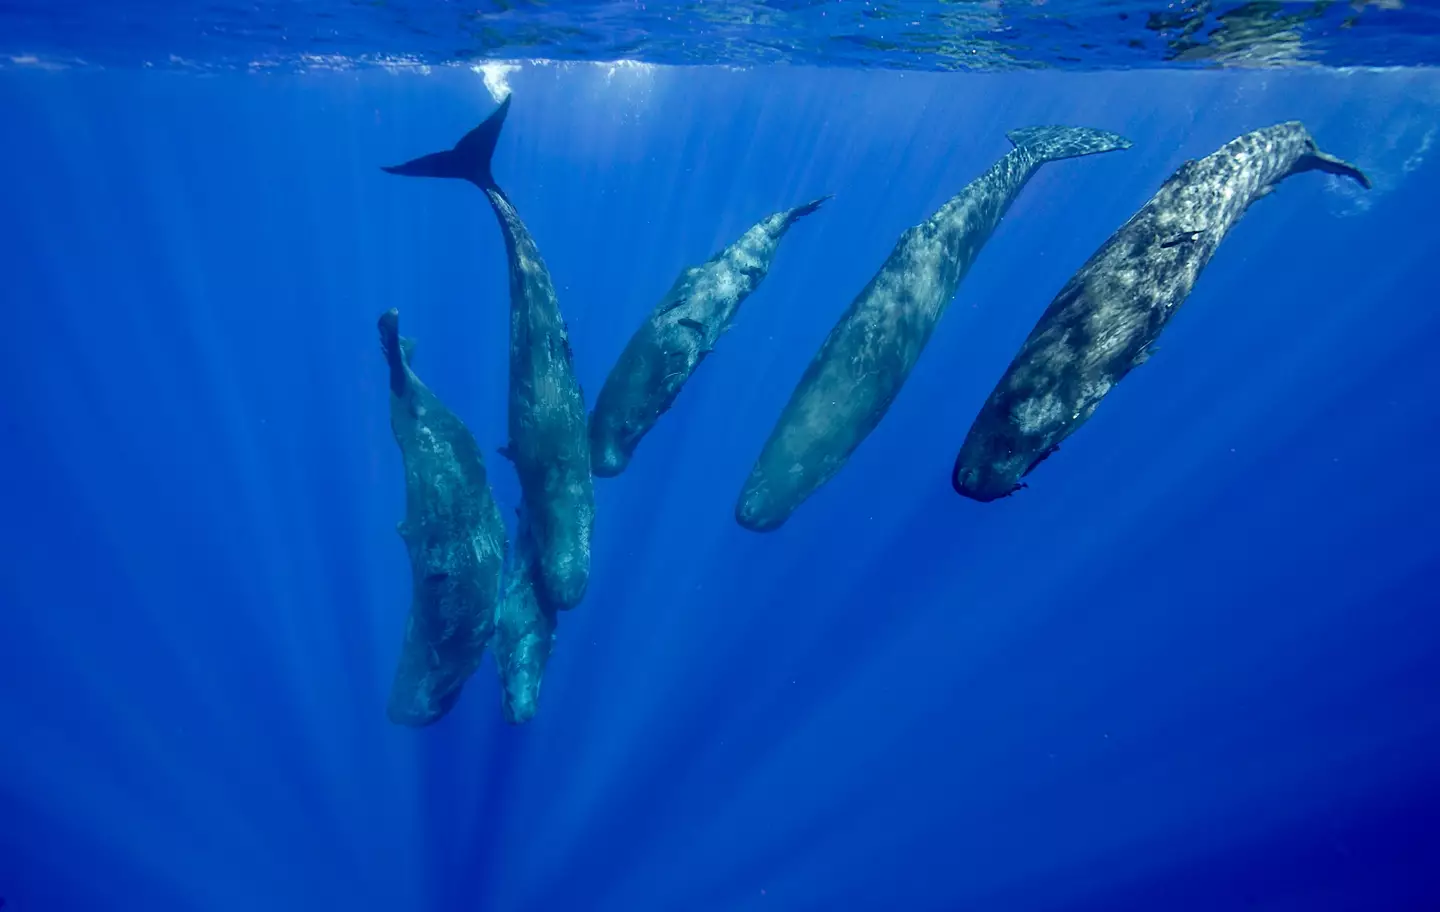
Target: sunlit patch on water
x=496, y=74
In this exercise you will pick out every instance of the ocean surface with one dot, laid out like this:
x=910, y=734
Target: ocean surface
x=1194, y=665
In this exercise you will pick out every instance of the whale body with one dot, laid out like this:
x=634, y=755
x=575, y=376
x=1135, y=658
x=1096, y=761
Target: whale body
x=1104, y=321
x=524, y=633
x=549, y=443
x=863, y=363
x=682, y=329
x=455, y=536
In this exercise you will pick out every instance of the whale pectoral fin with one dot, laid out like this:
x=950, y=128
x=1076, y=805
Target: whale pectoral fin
x=1038, y=459
x=1185, y=237
x=706, y=343
x=402, y=529
x=677, y=301
x=1143, y=356
x=559, y=346
x=506, y=452
x=407, y=349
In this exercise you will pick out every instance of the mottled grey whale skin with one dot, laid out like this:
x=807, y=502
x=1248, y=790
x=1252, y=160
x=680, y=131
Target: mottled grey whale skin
x=1104, y=320
x=549, y=443
x=524, y=633
x=867, y=357
x=679, y=333
x=455, y=536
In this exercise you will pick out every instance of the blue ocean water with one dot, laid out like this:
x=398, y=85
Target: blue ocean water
x=1192, y=666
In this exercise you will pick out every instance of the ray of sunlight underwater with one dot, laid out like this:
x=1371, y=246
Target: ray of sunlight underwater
x=859, y=601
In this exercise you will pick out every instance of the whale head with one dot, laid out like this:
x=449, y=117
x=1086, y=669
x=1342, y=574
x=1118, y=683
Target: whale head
x=759, y=511
x=983, y=482
x=419, y=707
x=424, y=690
x=608, y=458
x=451, y=620
x=611, y=442
x=522, y=674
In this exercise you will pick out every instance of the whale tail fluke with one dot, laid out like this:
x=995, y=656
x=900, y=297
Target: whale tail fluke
x=1053, y=142
x=800, y=212
x=469, y=160
x=398, y=350
x=1320, y=161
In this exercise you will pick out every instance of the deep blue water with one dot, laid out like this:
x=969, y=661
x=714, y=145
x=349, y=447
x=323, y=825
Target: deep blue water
x=1192, y=666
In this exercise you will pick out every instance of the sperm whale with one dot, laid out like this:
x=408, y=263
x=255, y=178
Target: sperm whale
x=681, y=330
x=865, y=360
x=1104, y=321
x=524, y=633
x=454, y=534
x=549, y=443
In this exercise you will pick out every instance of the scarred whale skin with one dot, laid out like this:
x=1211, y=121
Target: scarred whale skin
x=679, y=333
x=524, y=633
x=549, y=443
x=455, y=537
x=1103, y=322
x=863, y=363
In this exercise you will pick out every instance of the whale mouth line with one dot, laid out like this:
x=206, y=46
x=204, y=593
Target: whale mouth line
x=766, y=525
x=757, y=519
x=982, y=485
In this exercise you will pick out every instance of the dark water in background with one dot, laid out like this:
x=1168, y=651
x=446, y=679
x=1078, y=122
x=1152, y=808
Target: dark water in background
x=1193, y=666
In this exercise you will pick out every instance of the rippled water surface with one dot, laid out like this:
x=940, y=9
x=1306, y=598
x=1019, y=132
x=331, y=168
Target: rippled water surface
x=920, y=34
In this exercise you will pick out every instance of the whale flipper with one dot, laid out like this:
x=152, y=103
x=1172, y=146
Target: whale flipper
x=1038, y=459
x=1051, y=142
x=1185, y=237
x=674, y=303
x=469, y=160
